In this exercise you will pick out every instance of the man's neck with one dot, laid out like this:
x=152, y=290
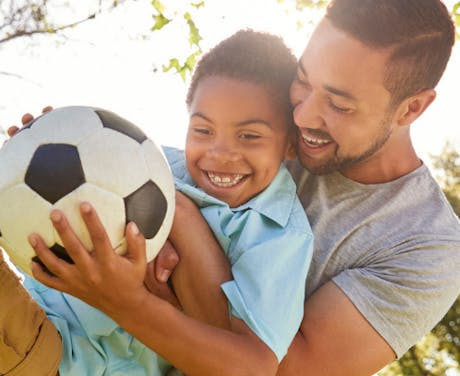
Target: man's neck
x=384, y=166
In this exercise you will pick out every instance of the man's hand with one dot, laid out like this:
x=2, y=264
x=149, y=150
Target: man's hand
x=26, y=118
x=158, y=272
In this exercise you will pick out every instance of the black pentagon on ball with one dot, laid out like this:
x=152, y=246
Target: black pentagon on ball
x=117, y=123
x=147, y=208
x=54, y=171
x=58, y=251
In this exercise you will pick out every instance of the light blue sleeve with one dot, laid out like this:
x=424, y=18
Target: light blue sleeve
x=268, y=290
x=176, y=161
x=93, y=344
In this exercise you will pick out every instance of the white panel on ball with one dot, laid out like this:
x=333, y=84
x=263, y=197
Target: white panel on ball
x=33, y=212
x=109, y=207
x=67, y=125
x=15, y=156
x=118, y=165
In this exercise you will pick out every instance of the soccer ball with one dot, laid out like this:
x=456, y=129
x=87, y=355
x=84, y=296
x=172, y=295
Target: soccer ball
x=75, y=154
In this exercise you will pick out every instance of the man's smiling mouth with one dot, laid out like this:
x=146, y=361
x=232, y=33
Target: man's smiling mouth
x=315, y=142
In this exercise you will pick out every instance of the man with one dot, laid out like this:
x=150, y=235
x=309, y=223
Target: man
x=387, y=244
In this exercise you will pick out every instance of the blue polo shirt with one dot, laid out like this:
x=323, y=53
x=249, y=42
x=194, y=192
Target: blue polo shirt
x=269, y=244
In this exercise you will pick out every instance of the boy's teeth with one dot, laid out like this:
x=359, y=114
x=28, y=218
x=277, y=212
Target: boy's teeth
x=225, y=180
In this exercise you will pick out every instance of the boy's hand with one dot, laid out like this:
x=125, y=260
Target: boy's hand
x=110, y=282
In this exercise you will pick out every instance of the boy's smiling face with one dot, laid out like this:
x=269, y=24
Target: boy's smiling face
x=237, y=138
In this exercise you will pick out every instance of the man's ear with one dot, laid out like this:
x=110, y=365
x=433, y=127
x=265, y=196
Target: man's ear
x=291, y=149
x=411, y=108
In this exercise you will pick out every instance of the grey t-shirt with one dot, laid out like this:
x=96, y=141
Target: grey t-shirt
x=392, y=248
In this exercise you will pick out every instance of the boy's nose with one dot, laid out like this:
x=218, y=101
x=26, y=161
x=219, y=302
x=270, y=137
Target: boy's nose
x=224, y=152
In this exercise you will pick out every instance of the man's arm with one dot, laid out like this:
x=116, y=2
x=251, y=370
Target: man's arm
x=334, y=338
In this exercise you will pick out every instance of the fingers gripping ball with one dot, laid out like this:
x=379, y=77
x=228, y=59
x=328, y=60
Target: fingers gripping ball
x=75, y=154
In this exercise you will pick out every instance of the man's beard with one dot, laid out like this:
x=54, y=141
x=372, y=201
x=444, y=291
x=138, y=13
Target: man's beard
x=342, y=163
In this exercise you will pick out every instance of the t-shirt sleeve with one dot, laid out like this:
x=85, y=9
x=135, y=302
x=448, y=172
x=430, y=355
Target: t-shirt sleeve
x=404, y=295
x=268, y=289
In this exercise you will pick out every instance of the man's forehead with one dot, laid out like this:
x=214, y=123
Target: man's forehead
x=343, y=65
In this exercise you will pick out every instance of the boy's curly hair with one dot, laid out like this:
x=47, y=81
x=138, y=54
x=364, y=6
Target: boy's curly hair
x=256, y=57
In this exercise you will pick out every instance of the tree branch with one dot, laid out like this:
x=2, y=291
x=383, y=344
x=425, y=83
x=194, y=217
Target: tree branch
x=22, y=33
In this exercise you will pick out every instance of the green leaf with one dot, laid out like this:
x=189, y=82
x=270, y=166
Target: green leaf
x=197, y=5
x=173, y=64
x=456, y=9
x=191, y=60
x=186, y=68
x=158, y=5
x=194, y=33
x=160, y=21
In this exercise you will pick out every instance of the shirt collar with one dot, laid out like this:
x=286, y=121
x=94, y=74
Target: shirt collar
x=277, y=200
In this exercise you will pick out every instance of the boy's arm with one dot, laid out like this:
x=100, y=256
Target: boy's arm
x=198, y=250
x=114, y=284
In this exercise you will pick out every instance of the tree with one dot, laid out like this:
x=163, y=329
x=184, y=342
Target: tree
x=186, y=67
x=28, y=17
x=447, y=165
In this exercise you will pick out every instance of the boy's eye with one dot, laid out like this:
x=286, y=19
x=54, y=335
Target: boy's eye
x=203, y=131
x=249, y=136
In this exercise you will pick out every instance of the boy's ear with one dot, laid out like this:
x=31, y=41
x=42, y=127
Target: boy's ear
x=411, y=108
x=291, y=149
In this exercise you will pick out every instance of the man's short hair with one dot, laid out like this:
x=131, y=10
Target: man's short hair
x=420, y=34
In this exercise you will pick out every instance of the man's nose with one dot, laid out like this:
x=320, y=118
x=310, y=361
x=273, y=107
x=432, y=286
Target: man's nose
x=307, y=113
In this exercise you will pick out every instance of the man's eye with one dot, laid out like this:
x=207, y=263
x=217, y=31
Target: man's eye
x=301, y=81
x=339, y=109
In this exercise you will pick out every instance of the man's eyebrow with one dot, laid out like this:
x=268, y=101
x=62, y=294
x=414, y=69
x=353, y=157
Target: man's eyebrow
x=339, y=92
x=329, y=88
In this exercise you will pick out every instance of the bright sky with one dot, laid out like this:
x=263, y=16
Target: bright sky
x=110, y=63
